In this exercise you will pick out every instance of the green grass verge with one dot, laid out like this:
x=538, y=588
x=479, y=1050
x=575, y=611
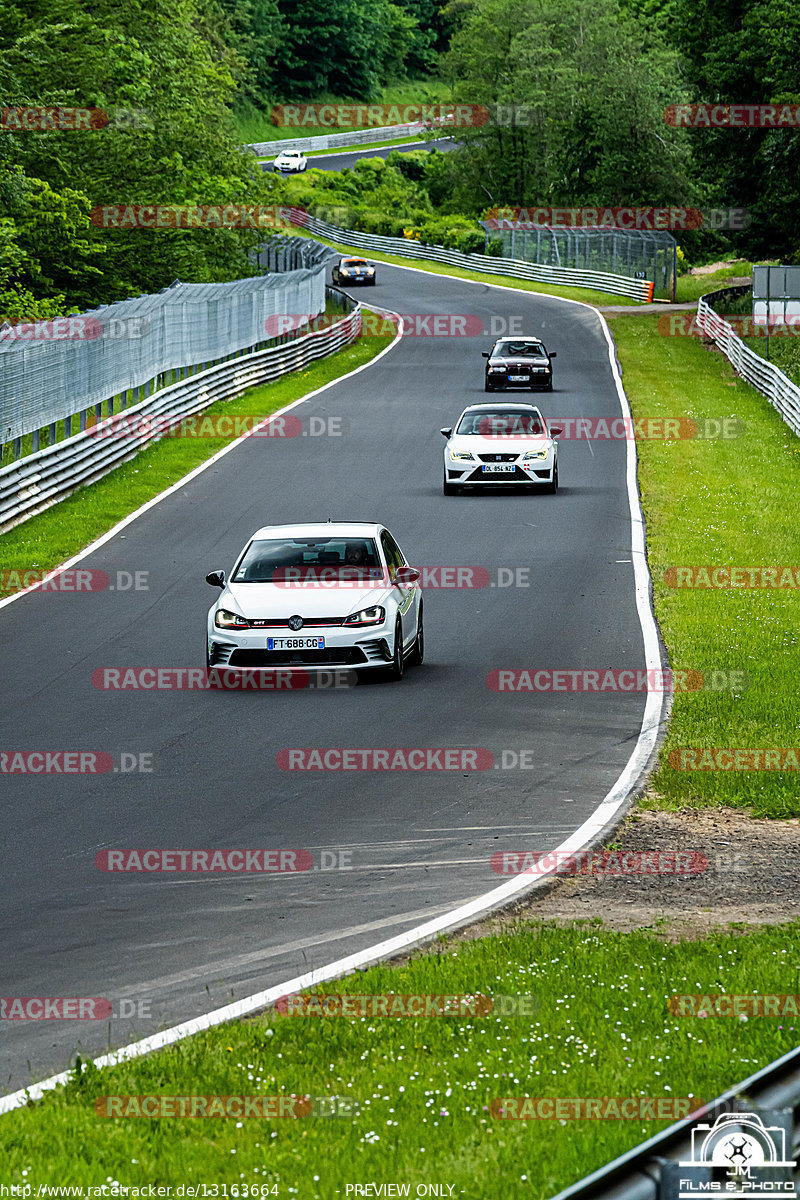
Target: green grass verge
x=424, y=1087
x=692, y=287
x=719, y=502
x=588, y=295
x=55, y=535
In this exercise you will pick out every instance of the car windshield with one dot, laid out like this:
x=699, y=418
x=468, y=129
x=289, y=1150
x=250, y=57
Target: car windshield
x=502, y=422
x=527, y=349
x=280, y=559
x=291, y=154
x=354, y=262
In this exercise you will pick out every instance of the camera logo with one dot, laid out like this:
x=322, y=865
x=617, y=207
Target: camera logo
x=751, y=1153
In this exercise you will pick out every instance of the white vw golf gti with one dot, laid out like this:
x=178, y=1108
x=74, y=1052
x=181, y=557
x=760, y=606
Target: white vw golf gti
x=503, y=443
x=333, y=594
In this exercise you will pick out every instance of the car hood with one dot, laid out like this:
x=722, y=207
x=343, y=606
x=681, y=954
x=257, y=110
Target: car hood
x=517, y=443
x=258, y=601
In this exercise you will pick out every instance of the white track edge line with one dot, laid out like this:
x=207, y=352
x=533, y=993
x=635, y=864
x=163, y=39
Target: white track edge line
x=591, y=828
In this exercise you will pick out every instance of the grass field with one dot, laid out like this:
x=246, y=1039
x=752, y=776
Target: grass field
x=718, y=503
x=420, y=1091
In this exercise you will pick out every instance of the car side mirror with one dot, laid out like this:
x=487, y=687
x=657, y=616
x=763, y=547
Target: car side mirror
x=554, y=354
x=407, y=575
x=484, y=353
x=448, y=433
x=556, y=430
x=216, y=578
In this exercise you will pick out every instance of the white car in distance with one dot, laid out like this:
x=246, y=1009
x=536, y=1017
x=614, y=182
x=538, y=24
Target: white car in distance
x=290, y=161
x=501, y=443
x=322, y=595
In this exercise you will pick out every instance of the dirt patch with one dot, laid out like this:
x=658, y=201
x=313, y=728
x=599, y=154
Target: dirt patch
x=709, y=268
x=752, y=878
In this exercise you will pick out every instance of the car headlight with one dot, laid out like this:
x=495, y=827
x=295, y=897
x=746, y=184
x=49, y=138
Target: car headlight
x=367, y=616
x=228, y=620
x=535, y=454
x=497, y=368
x=462, y=456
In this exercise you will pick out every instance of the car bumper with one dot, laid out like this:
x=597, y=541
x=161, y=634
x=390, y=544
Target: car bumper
x=531, y=380
x=352, y=280
x=469, y=473
x=362, y=648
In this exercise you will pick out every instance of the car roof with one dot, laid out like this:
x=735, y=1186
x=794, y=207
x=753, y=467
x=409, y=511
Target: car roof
x=342, y=529
x=488, y=406
x=353, y=258
x=520, y=337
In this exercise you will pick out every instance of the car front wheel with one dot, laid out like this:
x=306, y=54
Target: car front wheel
x=398, y=663
x=418, y=653
x=553, y=485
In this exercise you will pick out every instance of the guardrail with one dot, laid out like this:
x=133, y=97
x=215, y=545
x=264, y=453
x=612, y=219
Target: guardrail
x=782, y=394
x=33, y=484
x=652, y=1171
x=568, y=276
x=329, y=141
x=53, y=371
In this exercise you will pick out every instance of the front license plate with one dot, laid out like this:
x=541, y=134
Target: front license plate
x=498, y=469
x=301, y=643
x=517, y=378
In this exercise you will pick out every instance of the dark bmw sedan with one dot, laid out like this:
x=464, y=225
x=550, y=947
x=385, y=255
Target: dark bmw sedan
x=520, y=362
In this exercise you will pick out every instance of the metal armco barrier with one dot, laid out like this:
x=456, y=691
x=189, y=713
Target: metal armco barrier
x=782, y=394
x=40, y=480
x=329, y=141
x=651, y=1171
x=566, y=276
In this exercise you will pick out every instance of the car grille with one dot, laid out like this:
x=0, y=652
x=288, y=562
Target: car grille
x=506, y=477
x=342, y=656
x=283, y=622
x=498, y=457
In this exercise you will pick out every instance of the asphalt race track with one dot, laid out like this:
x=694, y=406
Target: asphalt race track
x=418, y=843
x=337, y=162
